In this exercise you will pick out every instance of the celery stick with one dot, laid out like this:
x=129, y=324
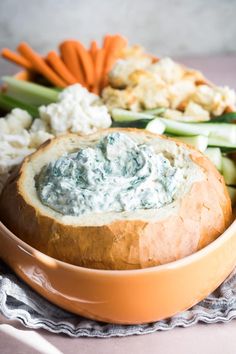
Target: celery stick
x=29, y=92
x=183, y=129
x=123, y=115
x=222, y=131
x=214, y=154
x=199, y=141
x=155, y=111
x=8, y=103
x=225, y=146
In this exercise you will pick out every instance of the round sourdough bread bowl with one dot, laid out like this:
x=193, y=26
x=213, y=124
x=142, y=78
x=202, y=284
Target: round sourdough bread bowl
x=197, y=215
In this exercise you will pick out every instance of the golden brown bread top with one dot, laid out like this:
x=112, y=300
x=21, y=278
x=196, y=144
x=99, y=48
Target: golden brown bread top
x=201, y=216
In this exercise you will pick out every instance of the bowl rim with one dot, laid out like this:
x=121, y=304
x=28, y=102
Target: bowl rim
x=227, y=234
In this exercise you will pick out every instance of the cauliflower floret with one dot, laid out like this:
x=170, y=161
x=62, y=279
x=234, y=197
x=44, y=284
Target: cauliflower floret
x=78, y=93
x=39, y=133
x=17, y=141
x=172, y=114
x=179, y=92
x=13, y=148
x=151, y=94
x=140, y=76
x=204, y=95
x=119, y=75
x=17, y=120
x=14, y=139
x=214, y=99
x=39, y=124
x=38, y=138
x=4, y=128
x=120, y=98
x=138, y=83
x=77, y=111
x=168, y=70
x=196, y=112
x=195, y=76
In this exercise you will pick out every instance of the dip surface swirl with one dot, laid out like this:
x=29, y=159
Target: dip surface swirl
x=115, y=175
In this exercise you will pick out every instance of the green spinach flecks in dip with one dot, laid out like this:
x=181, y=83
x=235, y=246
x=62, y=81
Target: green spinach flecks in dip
x=115, y=175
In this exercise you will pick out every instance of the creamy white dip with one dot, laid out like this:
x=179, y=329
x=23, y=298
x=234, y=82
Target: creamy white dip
x=115, y=175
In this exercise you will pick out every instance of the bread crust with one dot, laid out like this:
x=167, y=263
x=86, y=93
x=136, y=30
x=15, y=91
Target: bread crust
x=204, y=213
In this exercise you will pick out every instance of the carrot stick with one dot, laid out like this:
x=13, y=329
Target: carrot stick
x=99, y=65
x=70, y=58
x=106, y=41
x=95, y=89
x=86, y=62
x=106, y=45
x=59, y=67
x=16, y=58
x=39, y=65
x=93, y=50
x=113, y=48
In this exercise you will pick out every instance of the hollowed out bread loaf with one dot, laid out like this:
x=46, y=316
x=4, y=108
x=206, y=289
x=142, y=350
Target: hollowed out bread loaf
x=118, y=240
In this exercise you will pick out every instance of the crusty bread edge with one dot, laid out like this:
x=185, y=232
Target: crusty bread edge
x=204, y=215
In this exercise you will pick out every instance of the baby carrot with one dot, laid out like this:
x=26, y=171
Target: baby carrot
x=106, y=41
x=95, y=89
x=59, y=67
x=86, y=62
x=39, y=65
x=99, y=64
x=93, y=50
x=113, y=46
x=70, y=58
x=116, y=45
x=16, y=58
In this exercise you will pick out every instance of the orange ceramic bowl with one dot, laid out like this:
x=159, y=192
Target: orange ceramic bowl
x=126, y=297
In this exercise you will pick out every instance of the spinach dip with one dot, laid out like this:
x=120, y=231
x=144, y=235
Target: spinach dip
x=115, y=175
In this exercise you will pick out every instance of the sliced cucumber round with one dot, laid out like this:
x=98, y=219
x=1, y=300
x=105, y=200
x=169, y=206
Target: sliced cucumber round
x=156, y=126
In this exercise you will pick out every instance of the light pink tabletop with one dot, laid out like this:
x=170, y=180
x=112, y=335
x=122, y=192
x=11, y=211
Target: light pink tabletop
x=201, y=338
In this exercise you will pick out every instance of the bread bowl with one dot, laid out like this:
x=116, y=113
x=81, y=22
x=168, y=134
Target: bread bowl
x=198, y=211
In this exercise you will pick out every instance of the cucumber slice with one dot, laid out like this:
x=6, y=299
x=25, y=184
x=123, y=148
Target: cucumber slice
x=181, y=128
x=229, y=171
x=156, y=126
x=214, y=154
x=140, y=124
x=232, y=194
x=225, y=146
x=222, y=131
x=199, y=141
x=123, y=115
